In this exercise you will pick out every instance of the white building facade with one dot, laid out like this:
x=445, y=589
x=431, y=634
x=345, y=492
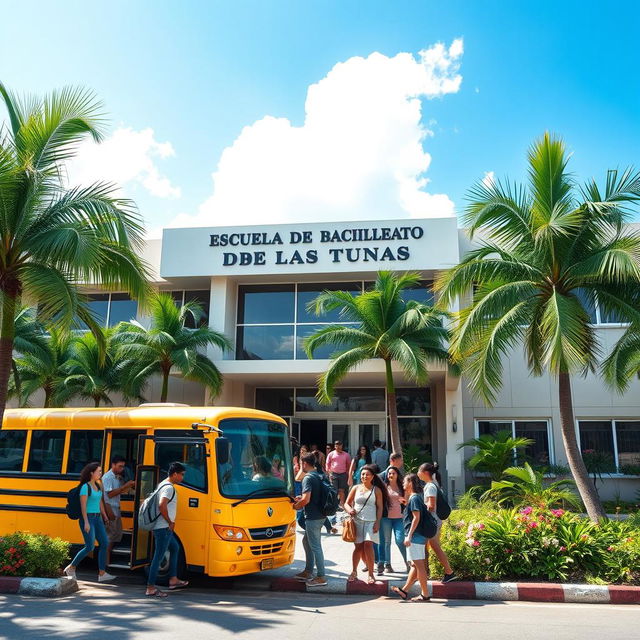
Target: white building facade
x=256, y=283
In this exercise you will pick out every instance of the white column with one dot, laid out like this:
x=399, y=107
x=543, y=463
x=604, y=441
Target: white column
x=454, y=435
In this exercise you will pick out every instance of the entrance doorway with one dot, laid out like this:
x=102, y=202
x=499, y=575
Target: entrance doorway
x=313, y=432
x=354, y=434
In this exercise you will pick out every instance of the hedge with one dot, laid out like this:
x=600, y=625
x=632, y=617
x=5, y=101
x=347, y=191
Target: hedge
x=32, y=554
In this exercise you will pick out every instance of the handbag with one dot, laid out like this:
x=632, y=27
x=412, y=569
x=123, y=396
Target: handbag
x=349, y=525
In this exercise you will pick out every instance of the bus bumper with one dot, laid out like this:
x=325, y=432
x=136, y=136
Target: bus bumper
x=225, y=561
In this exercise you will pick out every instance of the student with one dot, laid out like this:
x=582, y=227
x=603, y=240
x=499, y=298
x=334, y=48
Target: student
x=92, y=522
x=163, y=536
x=357, y=464
x=395, y=460
x=322, y=459
x=379, y=455
x=310, y=501
x=414, y=542
x=393, y=524
x=365, y=503
x=338, y=462
x=114, y=486
x=298, y=491
x=428, y=473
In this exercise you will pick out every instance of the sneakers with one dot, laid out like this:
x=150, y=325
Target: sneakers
x=317, y=582
x=69, y=571
x=388, y=568
x=380, y=568
x=449, y=577
x=106, y=577
x=303, y=576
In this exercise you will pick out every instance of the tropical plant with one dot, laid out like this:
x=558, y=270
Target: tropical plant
x=168, y=344
x=547, y=255
x=527, y=486
x=47, y=370
x=386, y=327
x=53, y=237
x=494, y=453
x=95, y=372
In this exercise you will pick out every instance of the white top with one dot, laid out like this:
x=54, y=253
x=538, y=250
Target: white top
x=367, y=512
x=167, y=490
x=431, y=491
x=111, y=481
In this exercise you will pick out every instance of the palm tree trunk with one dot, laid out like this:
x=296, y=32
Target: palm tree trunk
x=96, y=402
x=165, y=385
x=47, y=396
x=16, y=381
x=392, y=409
x=7, y=333
x=579, y=471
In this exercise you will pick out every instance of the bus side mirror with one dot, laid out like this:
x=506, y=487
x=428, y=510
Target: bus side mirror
x=222, y=450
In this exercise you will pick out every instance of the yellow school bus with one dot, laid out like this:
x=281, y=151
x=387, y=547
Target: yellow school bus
x=234, y=504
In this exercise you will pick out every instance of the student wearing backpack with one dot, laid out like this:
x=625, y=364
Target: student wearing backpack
x=312, y=501
x=415, y=516
x=436, y=503
x=163, y=537
x=92, y=522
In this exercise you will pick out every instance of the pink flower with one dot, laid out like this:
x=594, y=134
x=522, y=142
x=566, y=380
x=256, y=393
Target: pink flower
x=609, y=548
x=563, y=548
x=526, y=511
x=508, y=550
x=558, y=513
x=476, y=543
x=481, y=526
x=532, y=525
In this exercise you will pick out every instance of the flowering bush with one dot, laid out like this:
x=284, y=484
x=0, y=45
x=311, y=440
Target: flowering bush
x=494, y=544
x=32, y=554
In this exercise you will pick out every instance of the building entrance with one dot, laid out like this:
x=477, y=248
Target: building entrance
x=313, y=432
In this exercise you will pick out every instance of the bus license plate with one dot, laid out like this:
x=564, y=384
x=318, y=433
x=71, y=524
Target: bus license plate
x=267, y=563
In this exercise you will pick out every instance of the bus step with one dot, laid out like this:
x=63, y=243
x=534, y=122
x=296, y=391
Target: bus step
x=115, y=565
x=121, y=551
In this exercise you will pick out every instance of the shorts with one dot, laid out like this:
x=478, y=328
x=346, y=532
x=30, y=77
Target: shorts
x=114, y=529
x=416, y=552
x=339, y=481
x=364, y=532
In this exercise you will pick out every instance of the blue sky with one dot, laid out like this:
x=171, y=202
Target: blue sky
x=197, y=73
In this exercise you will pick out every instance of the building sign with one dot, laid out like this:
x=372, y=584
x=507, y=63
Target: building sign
x=319, y=248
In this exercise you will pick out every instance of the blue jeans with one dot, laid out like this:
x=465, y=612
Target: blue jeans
x=96, y=532
x=164, y=539
x=311, y=541
x=389, y=526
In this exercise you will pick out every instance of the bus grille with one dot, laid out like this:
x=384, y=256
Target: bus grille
x=262, y=533
x=266, y=549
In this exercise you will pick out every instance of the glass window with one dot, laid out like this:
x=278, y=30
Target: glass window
x=12, y=449
x=202, y=298
x=608, y=316
x=413, y=402
x=98, y=304
x=278, y=401
x=416, y=432
x=125, y=444
x=596, y=443
x=588, y=303
x=537, y=453
x=122, y=309
x=259, y=460
x=420, y=293
x=341, y=432
x=178, y=297
x=265, y=343
x=307, y=292
x=85, y=447
x=491, y=427
x=628, y=437
x=192, y=456
x=322, y=353
x=265, y=304
x=46, y=451
x=343, y=400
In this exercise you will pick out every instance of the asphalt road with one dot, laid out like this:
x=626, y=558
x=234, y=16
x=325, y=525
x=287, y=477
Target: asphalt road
x=121, y=612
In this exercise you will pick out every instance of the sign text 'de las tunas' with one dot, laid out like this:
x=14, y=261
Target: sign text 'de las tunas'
x=349, y=245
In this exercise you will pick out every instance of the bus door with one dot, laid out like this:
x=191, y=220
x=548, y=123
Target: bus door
x=192, y=450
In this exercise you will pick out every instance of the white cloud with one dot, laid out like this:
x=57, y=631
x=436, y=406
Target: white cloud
x=489, y=179
x=359, y=154
x=126, y=157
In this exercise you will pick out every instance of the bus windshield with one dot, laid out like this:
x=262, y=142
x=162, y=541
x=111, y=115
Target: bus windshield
x=259, y=459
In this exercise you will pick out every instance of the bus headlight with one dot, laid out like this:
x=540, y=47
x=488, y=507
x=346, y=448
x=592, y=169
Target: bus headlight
x=230, y=533
x=292, y=529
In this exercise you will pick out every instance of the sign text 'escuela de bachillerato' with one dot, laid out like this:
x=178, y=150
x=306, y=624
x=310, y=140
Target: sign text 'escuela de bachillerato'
x=242, y=248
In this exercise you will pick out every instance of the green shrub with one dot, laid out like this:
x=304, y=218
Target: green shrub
x=32, y=554
x=489, y=543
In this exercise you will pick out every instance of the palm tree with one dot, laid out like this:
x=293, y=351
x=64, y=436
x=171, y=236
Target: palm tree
x=386, y=327
x=548, y=253
x=494, y=452
x=94, y=372
x=167, y=345
x=52, y=237
x=30, y=338
x=47, y=370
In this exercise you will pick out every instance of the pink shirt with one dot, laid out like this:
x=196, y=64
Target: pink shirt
x=394, y=509
x=338, y=462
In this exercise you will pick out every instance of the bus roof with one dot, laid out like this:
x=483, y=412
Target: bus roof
x=167, y=417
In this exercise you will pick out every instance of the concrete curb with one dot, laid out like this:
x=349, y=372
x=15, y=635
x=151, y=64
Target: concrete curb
x=513, y=591
x=43, y=587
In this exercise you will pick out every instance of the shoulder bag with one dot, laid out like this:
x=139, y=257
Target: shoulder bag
x=349, y=525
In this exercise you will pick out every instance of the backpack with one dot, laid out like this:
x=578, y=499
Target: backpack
x=149, y=510
x=443, y=508
x=427, y=527
x=73, y=509
x=327, y=500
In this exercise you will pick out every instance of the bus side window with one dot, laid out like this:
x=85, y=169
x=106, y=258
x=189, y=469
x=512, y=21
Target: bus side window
x=192, y=457
x=125, y=445
x=85, y=447
x=46, y=451
x=12, y=450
